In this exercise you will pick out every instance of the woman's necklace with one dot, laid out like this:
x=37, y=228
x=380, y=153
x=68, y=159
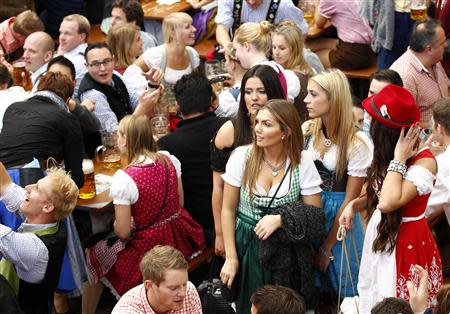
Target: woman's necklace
x=327, y=142
x=274, y=169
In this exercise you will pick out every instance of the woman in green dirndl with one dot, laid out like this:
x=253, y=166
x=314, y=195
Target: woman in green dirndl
x=273, y=170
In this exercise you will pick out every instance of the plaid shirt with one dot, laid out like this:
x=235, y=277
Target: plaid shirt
x=135, y=302
x=420, y=82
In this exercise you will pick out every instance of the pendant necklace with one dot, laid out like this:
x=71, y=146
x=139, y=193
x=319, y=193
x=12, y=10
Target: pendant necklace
x=327, y=142
x=274, y=169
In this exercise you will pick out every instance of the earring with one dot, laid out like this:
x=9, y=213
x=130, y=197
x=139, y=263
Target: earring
x=282, y=137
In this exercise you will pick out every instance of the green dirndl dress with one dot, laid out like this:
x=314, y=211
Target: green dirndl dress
x=251, y=274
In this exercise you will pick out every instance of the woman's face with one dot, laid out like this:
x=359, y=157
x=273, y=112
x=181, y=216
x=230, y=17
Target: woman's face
x=267, y=129
x=254, y=95
x=137, y=48
x=280, y=49
x=316, y=101
x=187, y=34
x=242, y=54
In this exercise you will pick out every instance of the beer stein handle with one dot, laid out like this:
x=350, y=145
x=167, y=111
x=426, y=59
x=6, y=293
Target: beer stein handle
x=100, y=151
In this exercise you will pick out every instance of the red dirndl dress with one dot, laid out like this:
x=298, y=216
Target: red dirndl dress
x=173, y=226
x=416, y=245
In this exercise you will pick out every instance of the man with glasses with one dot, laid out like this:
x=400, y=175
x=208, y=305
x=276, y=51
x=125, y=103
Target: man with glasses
x=112, y=99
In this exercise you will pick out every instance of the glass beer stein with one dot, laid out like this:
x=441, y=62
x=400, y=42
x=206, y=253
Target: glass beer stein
x=87, y=191
x=21, y=76
x=418, y=10
x=108, y=153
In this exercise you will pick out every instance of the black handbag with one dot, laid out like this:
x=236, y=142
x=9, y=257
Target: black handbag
x=213, y=295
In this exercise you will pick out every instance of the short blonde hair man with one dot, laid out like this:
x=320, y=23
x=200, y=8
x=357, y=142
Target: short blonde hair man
x=84, y=27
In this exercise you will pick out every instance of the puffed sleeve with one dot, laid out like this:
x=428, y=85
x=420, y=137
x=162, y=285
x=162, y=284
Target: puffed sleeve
x=175, y=161
x=153, y=56
x=360, y=156
x=421, y=177
x=123, y=190
x=196, y=60
x=309, y=177
x=234, y=170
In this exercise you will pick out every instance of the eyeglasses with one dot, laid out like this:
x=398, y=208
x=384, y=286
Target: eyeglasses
x=98, y=64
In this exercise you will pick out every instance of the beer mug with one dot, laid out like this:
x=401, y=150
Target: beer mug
x=308, y=7
x=418, y=10
x=108, y=153
x=87, y=191
x=21, y=76
x=160, y=126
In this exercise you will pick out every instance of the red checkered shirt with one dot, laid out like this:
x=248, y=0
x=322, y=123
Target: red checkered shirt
x=135, y=302
x=419, y=81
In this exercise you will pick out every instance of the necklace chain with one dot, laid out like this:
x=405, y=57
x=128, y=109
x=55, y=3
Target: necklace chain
x=327, y=142
x=274, y=169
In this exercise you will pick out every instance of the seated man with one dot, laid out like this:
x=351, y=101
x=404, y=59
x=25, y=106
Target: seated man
x=130, y=11
x=113, y=100
x=33, y=255
x=13, y=32
x=277, y=299
x=166, y=288
x=191, y=142
x=254, y=11
x=37, y=52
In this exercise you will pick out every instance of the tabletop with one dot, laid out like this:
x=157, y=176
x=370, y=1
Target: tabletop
x=156, y=11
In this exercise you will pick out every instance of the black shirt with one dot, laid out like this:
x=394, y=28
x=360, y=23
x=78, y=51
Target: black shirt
x=190, y=143
x=39, y=128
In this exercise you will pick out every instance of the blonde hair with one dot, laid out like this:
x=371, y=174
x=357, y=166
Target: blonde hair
x=256, y=34
x=121, y=40
x=84, y=27
x=158, y=260
x=294, y=38
x=139, y=137
x=63, y=192
x=341, y=128
x=174, y=22
x=287, y=116
x=27, y=22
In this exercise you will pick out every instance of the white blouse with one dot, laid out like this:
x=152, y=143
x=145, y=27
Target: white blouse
x=123, y=189
x=309, y=178
x=155, y=56
x=359, y=156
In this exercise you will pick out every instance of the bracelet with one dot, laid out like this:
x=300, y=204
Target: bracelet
x=330, y=257
x=397, y=166
x=155, y=86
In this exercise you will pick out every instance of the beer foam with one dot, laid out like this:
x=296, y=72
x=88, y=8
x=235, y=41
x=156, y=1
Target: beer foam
x=88, y=166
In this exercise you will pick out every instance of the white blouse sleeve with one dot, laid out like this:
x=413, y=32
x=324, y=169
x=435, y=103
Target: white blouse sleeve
x=123, y=190
x=175, y=161
x=153, y=56
x=196, y=57
x=234, y=170
x=310, y=180
x=421, y=177
x=360, y=156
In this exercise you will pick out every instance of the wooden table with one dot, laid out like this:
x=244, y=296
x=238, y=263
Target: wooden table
x=156, y=11
x=101, y=201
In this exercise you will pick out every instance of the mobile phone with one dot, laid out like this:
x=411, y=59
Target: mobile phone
x=425, y=134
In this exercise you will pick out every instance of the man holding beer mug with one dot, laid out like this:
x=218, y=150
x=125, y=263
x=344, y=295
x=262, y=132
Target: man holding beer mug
x=420, y=67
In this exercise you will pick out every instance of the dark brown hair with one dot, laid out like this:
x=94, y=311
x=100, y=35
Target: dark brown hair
x=277, y=299
x=57, y=83
x=443, y=300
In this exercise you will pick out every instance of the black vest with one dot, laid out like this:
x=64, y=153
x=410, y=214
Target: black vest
x=37, y=298
x=118, y=100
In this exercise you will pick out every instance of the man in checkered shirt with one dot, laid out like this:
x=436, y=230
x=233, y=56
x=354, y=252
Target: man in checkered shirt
x=165, y=289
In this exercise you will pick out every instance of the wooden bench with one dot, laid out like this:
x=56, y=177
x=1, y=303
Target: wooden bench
x=204, y=47
x=201, y=259
x=363, y=74
x=96, y=34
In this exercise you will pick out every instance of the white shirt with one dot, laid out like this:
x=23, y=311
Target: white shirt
x=36, y=74
x=440, y=196
x=309, y=178
x=76, y=56
x=123, y=189
x=9, y=96
x=228, y=104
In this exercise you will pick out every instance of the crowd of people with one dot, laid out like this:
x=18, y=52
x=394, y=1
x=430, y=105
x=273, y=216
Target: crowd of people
x=306, y=193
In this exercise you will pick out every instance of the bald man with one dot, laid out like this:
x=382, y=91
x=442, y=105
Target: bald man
x=38, y=51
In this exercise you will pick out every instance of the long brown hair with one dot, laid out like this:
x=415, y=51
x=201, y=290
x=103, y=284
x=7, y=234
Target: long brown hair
x=121, y=40
x=139, y=137
x=341, y=129
x=287, y=116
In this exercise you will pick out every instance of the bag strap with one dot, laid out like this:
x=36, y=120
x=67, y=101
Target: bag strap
x=272, y=12
x=279, y=186
x=237, y=9
x=166, y=171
